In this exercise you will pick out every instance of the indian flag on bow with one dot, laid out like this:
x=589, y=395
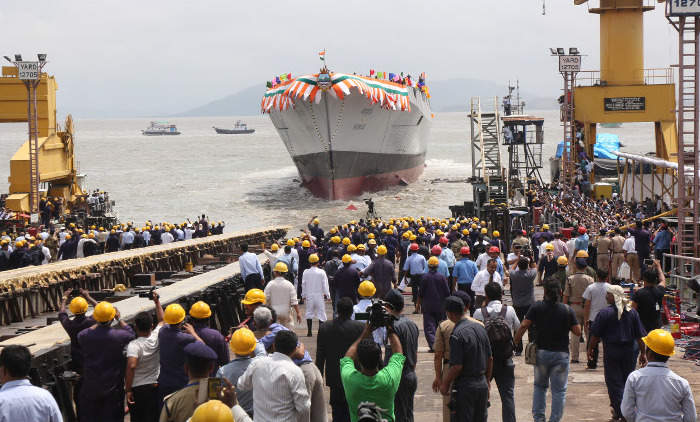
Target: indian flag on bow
x=322, y=55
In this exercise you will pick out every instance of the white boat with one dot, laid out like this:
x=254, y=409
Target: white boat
x=349, y=134
x=160, y=129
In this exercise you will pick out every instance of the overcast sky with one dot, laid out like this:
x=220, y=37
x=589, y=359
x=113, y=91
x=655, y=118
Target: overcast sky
x=154, y=57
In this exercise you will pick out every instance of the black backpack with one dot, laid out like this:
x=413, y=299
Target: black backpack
x=500, y=336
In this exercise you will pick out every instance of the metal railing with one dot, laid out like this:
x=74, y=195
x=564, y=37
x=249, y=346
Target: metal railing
x=652, y=76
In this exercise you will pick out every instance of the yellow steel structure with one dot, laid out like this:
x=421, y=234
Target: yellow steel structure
x=622, y=76
x=56, y=157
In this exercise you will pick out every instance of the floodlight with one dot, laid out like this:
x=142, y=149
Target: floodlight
x=553, y=51
x=42, y=57
x=8, y=59
x=560, y=51
x=18, y=57
x=574, y=51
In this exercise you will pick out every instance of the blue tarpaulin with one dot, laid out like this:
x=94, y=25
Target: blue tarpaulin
x=605, y=142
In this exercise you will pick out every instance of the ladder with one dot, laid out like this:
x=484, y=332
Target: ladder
x=568, y=153
x=688, y=148
x=33, y=146
x=486, y=152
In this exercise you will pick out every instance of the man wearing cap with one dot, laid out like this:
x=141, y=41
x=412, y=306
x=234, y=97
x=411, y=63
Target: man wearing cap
x=471, y=363
x=655, y=393
x=618, y=253
x=315, y=291
x=104, y=363
x=334, y=339
x=251, y=270
x=172, y=339
x=416, y=266
x=492, y=253
x=547, y=265
x=464, y=272
x=581, y=243
x=200, y=313
x=245, y=347
x=407, y=331
x=596, y=300
x=382, y=272
x=432, y=293
x=576, y=285
x=78, y=307
x=347, y=280
x=251, y=301
x=619, y=327
x=482, y=278
x=281, y=296
x=200, y=361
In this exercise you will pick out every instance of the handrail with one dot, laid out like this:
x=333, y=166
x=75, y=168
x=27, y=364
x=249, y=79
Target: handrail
x=652, y=76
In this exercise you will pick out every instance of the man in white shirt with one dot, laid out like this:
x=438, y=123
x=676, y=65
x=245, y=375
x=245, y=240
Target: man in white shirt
x=279, y=389
x=482, y=278
x=19, y=399
x=166, y=237
x=595, y=295
x=45, y=252
x=655, y=393
x=314, y=290
x=630, y=251
x=273, y=254
x=188, y=232
x=143, y=366
x=281, y=295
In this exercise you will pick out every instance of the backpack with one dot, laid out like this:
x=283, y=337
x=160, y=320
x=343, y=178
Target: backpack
x=500, y=336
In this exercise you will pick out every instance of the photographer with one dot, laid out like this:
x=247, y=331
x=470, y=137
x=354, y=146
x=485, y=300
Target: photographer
x=370, y=383
x=143, y=366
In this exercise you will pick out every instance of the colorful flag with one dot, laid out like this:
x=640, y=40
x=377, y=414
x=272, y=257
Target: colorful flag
x=283, y=77
x=322, y=55
x=289, y=76
x=277, y=79
x=371, y=72
x=268, y=84
x=391, y=76
x=380, y=75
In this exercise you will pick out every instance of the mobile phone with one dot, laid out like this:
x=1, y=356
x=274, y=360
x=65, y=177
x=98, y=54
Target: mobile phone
x=213, y=388
x=648, y=262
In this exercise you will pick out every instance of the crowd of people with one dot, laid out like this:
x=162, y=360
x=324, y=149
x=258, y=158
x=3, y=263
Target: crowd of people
x=176, y=368
x=44, y=244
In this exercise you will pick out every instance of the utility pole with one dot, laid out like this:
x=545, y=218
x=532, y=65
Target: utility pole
x=569, y=66
x=30, y=74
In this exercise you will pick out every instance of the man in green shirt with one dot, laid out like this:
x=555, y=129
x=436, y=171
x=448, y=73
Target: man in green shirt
x=369, y=383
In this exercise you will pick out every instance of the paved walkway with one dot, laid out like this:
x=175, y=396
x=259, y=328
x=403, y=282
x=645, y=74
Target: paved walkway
x=586, y=400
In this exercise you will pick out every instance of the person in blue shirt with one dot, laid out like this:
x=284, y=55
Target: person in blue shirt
x=464, y=272
x=662, y=242
x=581, y=243
x=415, y=266
x=436, y=251
x=251, y=270
x=447, y=255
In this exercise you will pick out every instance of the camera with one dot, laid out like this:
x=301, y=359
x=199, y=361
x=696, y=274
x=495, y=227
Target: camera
x=377, y=315
x=369, y=412
x=148, y=294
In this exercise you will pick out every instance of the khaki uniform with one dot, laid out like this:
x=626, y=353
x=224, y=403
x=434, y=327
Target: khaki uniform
x=575, y=286
x=180, y=405
x=618, y=257
x=635, y=270
x=602, y=245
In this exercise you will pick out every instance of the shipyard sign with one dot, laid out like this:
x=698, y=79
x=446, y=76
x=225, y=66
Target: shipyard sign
x=569, y=63
x=625, y=103
x=684, y=8
x=28, y=70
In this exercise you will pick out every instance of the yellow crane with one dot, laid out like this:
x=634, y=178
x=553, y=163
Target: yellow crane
x=55, y=147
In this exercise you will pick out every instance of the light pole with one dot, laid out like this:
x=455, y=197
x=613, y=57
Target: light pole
x=569, y=66
x=30, y=74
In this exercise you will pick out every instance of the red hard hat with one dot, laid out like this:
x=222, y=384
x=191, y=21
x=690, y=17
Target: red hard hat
x=582, y=230
x=524, y=233
x=464, y=250
x=494, y=249
x=436, y=250
x=444, y=240
x=413, y=247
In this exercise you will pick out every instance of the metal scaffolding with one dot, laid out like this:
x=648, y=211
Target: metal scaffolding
x=523, y=136
x=490, y=187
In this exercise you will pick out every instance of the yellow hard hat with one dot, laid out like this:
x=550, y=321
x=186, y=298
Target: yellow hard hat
x=484, y=230
x=361, y=247
x=346, y=259
x=483, y=223
x=433, y=261
x=474, y=226
x=104, y=312
x=78, y=305
x=413, y=237
x=83, y=236
x=549, y=247
x=371, y=242
x=72, y=225
x=455, y=227
x=280, y=267
x=545, y=227
x=212, y=411
x=316, y=221
x=174, y=314
x=496, y=233
x=200, y=310
x=346, y=241
x=92, y=227
x=102, y=229
x=381, y=250
x=351, y=248
x=366, y=289
x=275, y=247
x=313, y=258
x=296, y=240
x=333, y=230
x=290, y=242
x=68, y=237
x=421, y=230
x=660, y=341
x=113, y=231
x=465, y=232
x=256, y=295
x=581, y=254
x=562, y=260
x=370, y=236
x=242, y=342
x=335, y=239
x=306, y=244
x=406, y=235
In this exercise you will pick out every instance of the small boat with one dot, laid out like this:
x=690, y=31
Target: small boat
x=160, y=129
x=239, y=128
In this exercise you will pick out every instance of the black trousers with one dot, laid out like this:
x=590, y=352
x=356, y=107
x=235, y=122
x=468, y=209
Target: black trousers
x=253, y=281
x=471, y=405
x=415, y=285
x=145, y=407
x=403, y=401
x=339, y=405
x=521, y=311
x=618, y=362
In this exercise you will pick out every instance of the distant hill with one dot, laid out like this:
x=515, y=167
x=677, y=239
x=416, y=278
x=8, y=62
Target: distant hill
x=448, y=95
